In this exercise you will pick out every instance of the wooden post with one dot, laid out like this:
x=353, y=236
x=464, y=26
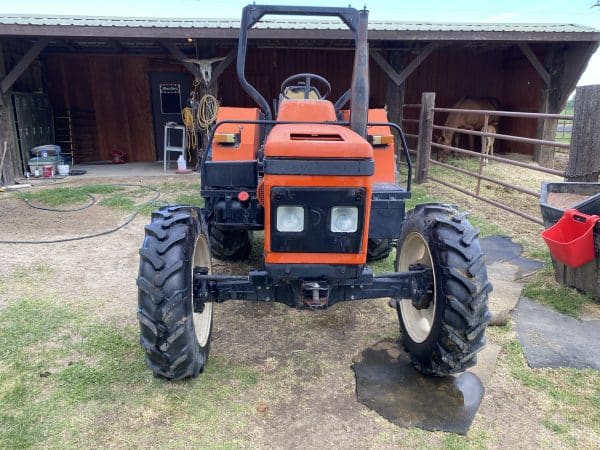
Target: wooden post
x=8, y=132
x=584, y=157
x=425, y=133
x=394, y=99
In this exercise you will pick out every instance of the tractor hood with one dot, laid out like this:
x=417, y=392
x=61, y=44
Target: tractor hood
x=316, y=141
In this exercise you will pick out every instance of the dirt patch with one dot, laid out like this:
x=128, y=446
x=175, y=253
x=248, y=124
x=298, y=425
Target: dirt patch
x=303, y=359
x=564, y=200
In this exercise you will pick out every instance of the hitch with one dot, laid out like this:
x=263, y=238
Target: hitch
x=315, y=294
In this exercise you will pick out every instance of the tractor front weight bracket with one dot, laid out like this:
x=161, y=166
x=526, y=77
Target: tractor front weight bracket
x=415, y=284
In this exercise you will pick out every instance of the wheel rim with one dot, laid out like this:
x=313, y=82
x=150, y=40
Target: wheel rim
x=203, y=320
x=417, y=322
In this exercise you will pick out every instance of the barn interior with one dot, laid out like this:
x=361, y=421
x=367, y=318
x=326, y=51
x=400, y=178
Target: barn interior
x=99, y=85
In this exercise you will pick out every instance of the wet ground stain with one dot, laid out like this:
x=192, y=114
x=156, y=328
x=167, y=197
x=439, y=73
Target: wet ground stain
x=387, y=383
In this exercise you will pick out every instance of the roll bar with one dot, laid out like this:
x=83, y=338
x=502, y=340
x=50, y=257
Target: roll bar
x=357, y=23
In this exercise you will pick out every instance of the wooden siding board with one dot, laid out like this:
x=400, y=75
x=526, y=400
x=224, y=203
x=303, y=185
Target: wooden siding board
x=124, y=114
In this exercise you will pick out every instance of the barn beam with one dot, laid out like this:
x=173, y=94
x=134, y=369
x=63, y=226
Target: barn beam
x=180, y=56
x=23, y=64
x=567, y=63
x=399, y=78
x=218, y=71
x=535, y=62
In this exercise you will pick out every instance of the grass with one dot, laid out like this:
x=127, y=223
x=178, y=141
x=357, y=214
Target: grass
x=121, y=198
x=571, y=397
x=67, y=195
x=544, y=288
x=67, y=381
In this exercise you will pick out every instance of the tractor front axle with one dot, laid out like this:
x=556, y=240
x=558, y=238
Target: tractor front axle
x=416, y=284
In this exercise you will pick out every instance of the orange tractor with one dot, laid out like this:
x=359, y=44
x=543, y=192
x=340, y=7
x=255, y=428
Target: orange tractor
x=320, y=181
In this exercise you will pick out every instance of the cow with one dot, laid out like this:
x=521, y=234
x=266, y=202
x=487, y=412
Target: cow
x=468, y=121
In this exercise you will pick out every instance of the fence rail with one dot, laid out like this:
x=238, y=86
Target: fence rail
x=425, y=144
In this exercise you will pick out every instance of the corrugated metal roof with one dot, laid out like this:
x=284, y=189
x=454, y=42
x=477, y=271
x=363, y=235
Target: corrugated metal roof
x=286, y=24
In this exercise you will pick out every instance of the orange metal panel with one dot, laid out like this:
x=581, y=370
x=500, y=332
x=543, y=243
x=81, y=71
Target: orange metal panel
x=249, y=134
x=385, y=163
x=316, y=141
x=317, y=182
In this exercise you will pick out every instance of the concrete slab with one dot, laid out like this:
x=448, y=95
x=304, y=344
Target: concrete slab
x=144, y=169
x=551, y=339
x=506, y=292
x=387, y=383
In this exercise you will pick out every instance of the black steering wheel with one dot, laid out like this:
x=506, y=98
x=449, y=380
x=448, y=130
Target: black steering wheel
x=306, y=85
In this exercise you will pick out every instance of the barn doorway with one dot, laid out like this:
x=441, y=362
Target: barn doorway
x=170, y=92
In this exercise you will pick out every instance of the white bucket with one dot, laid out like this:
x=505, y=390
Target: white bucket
x=63, y=169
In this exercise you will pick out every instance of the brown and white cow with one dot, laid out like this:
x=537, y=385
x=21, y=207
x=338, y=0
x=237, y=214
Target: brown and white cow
x=468, y=121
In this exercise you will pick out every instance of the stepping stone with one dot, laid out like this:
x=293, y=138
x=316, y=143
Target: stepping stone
x=387, y=383
x=503, y=249
x=551, y=339
x=506, y=292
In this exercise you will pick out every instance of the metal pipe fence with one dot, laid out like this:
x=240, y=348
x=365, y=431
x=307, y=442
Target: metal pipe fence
x=424, y=162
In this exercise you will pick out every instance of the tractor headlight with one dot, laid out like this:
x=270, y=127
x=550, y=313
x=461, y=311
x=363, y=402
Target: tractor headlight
x=290, y=219
x=344, y=219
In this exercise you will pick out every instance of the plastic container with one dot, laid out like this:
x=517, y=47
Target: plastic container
x=585, y=278
x=46, y=150
x=47, y=171
x=181, y=164
x=588, y=203
x=571, y=239
x=39, y=163
x=63, y=169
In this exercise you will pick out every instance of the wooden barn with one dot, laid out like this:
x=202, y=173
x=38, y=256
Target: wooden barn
x=97, y=85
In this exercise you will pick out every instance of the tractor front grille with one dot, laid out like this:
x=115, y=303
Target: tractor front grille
x=316, y=236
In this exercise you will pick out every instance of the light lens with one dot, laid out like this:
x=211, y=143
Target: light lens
x=290, y=219
x=344, y=219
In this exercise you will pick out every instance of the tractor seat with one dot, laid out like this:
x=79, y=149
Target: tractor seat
x=306, y=111
x=297, y=93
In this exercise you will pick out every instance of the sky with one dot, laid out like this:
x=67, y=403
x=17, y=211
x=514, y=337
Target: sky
x=479, y=11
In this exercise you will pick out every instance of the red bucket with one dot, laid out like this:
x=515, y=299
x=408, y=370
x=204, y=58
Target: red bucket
x=47, y=171
x=571, y=239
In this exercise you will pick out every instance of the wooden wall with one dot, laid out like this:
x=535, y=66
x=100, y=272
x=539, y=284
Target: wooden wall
x=116, y=90
x=266, y=69
x=109, y=96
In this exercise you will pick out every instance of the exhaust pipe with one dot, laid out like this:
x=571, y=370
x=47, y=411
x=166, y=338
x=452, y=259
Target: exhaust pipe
x=359, y=100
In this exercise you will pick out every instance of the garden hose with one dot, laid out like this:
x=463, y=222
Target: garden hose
x=152, y=201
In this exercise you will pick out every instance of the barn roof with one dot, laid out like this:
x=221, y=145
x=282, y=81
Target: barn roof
x=88, y=26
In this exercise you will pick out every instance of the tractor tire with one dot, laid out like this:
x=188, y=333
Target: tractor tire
x=176, y=340
x=445, y=337
x=229, y=245
x=378, y=249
